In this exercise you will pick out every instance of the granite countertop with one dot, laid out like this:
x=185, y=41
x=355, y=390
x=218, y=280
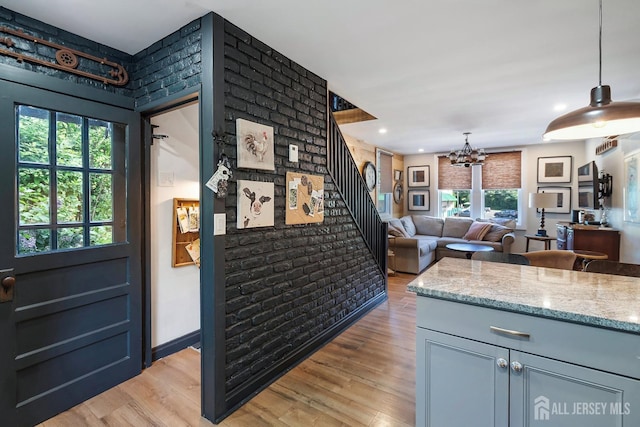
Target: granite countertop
x=593, y=299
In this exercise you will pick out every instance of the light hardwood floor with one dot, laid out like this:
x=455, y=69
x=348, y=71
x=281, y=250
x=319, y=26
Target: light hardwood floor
x=364, y=377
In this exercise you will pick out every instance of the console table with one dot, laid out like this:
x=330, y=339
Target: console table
x=589, y=238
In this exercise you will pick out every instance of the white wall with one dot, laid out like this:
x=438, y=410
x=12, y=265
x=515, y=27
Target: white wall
x=175, y=292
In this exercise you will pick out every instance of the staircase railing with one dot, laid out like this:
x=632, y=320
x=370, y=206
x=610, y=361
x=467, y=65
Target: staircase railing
x=353, y=189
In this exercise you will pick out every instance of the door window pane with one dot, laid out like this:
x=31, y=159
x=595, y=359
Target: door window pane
x=69, y=203
x=33, y=135
x=80, y=196
x=34, y=241
x=100, y=144
x=101, y=203
x=68, y=140
x=101, y=235
x=33, y=196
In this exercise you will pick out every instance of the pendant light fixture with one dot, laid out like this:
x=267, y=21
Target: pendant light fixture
x=600, y=118
x=467, y=156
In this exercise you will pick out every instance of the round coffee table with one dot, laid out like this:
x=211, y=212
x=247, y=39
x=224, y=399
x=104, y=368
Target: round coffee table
x=469, y=248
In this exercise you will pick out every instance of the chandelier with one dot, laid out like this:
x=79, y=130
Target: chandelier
x=467, y=156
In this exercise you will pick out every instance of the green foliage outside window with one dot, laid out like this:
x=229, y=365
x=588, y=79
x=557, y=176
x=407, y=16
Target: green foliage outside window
x=76, y=193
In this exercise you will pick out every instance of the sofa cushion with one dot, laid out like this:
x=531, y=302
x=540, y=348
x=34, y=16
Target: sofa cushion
x=428, y=225
x=407, y=222
x=477, y=230
x=496, y=233
x=426, y=244
x=456, y=227
x=396, y=228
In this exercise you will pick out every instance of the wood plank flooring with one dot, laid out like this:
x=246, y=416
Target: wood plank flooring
x=364, y=377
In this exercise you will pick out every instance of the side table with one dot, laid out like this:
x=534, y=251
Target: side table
x=546, y=239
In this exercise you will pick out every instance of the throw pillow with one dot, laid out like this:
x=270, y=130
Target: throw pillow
x=396, y=228
x=477, y=230
x=496, y=233
x=409, y=227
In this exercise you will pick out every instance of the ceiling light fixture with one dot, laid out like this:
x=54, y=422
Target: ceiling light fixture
x=601, y=117
x=467, y=156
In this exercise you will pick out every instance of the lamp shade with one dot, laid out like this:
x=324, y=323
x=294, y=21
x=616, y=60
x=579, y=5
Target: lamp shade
x=543, y=200
x=599, y=119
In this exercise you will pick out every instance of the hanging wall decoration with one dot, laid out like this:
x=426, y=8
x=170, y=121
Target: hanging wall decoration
x=67, y=59
x=305, y=198
x=255, y=145
x=255, y=204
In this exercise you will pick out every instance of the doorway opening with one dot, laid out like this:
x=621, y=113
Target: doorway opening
x=174, y=276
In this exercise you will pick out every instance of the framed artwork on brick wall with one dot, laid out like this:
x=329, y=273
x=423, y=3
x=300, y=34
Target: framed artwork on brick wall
x=255, y=204
x=255, y=145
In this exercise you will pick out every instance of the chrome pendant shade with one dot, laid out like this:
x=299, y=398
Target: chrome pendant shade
x=600, y=118
x=467, y=156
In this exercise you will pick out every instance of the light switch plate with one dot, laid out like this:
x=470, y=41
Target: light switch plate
x=219, y=224
x=293, y=153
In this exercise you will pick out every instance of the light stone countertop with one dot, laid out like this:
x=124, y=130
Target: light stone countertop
x=593, y=299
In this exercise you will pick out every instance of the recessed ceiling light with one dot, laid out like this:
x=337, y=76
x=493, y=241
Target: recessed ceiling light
x=420, y=150
x=382, y=130
x=559, y=107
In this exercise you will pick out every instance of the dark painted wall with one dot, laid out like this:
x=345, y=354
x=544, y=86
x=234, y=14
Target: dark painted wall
x=285, y=285
x=287, y=288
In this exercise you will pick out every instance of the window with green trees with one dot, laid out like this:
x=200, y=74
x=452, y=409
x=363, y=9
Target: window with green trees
x=68, y=169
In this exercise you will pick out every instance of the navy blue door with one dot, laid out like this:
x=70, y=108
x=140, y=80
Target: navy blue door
x=70, y=263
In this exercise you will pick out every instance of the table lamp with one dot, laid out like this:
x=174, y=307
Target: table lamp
x=543, y=201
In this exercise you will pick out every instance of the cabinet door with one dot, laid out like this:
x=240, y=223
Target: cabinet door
x=459, y=382
x=549, y=392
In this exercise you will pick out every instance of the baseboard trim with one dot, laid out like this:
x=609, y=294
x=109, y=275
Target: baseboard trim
x=246, y=392
x=173, y=346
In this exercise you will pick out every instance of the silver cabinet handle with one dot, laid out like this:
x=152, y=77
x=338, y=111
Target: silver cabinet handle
x=502, y=363
x=509, y=332
x=516, y=366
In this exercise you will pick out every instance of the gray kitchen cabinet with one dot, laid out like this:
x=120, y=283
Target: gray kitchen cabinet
x=484, y=367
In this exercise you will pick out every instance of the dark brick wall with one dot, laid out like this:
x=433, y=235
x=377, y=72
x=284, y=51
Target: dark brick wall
x=285, y=284
x=169, y=66
x=41, y=30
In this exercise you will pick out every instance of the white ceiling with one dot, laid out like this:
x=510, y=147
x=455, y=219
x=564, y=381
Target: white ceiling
x=428, y=69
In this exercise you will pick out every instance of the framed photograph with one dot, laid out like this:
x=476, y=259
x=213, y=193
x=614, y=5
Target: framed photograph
x=564, y=199
x=397, y=175
x=554, y=169
x=418, y=200
x=254, y=145
x=631, y=188
x=418, y=176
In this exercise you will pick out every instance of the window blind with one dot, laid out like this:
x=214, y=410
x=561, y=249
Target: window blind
x=386, y=172
x=453, y=177
x=502, y=171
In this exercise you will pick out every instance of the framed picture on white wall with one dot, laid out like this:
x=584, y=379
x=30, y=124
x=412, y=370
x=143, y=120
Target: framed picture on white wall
x=418, y=176
x=418, y=200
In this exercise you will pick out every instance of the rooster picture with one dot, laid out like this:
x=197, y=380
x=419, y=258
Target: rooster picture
x=255, y=145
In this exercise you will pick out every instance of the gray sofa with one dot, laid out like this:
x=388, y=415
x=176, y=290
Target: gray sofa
x=419, y=240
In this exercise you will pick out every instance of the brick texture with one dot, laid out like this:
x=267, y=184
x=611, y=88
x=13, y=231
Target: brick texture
x=285, y=284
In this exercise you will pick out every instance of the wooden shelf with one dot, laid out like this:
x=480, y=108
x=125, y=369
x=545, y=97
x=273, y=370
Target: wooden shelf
x=179, y=255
